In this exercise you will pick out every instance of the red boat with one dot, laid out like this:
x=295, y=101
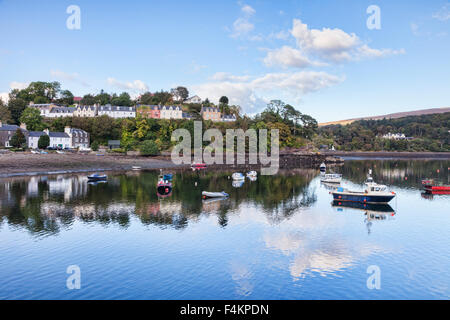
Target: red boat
x=198, y=166
x=435, y=187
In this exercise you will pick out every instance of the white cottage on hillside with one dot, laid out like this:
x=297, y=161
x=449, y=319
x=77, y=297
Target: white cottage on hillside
x=171, y=112
x=117, y=111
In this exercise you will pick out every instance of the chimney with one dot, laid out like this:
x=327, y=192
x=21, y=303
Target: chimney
x=1, y=124
x=67, y=130
x=23, y=126
x=47, y=131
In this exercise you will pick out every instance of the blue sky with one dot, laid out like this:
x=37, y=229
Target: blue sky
x=319, y=56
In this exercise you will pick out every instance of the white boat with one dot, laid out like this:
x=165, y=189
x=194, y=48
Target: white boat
x=238, y=176
x=60, y=152
x=207, y=194
x=251, y=174
x=35, y=152
x=135, y=168
x=331, y=178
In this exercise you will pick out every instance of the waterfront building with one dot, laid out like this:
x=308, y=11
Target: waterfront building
x=7, y=131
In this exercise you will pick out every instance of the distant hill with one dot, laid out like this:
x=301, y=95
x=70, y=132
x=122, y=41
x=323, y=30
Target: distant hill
x=389, y=116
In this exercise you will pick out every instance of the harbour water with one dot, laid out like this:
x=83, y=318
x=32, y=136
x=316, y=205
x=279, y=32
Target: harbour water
x=279, y=237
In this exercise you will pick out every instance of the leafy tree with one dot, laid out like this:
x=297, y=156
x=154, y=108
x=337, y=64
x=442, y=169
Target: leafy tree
x=223, y=100
x=88, y=100
x=149, y=148
x=123, y=100
x=16, y=107
x=103, y=98
x=5, y=114
x=65, y=97
x=94, y=146
x=44, y=141
x=180, y=93
x=32, y=118
x=18, y=140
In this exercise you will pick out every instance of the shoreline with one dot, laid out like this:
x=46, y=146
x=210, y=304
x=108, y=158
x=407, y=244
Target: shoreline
x=386, y=155
x=27, y=164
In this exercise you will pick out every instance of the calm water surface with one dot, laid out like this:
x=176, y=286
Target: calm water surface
x=275, y=238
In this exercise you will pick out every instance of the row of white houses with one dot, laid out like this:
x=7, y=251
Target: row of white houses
x=156, y=112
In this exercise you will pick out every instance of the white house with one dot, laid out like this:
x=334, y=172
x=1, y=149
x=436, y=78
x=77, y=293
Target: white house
x=194, y=99
x=171, y=112
x=70, y=138
x=60, y=112
x=86, y=111
x=117, y=111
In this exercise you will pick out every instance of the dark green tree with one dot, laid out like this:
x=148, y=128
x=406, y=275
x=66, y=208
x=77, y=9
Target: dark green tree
x=44, y=141
x=18, y=140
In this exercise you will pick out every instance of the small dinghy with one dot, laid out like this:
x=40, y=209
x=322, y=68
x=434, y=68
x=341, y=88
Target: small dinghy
x=207, y=194
x=97, y=177
x=238, y=176
x=135, y=168
x=251, y=174
x=198, y=166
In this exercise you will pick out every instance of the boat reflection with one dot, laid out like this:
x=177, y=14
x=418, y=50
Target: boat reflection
x=237, y=183
x=372, y=212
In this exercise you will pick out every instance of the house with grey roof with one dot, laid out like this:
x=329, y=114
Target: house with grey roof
x=117, y=111
x=80, y=138
x=7, y=131
x=171, y=112
x=70, y=138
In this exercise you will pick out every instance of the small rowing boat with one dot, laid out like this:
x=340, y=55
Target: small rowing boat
x=198, y=166
x=323, y=167
x=207, y=194
x=135, y=168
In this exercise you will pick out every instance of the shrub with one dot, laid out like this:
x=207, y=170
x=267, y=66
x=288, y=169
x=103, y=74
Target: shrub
x=94, y=146
x=18, y=140
x=149, y=148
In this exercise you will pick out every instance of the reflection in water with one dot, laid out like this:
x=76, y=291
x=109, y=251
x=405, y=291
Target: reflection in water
x=274, y=237
x=372, y=212
x=44, y=204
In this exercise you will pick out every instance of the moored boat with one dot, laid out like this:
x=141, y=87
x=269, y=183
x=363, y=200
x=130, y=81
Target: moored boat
x=252, y=174
x=135, y=168
x=198, y=166
x=238, y=176
x=163, y=188
x=436, y=187
x=373, y=193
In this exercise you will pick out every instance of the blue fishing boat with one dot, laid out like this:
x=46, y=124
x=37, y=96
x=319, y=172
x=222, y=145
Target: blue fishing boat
x=373, y=193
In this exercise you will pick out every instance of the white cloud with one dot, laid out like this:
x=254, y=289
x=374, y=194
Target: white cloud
x=13, y=85
x=287, y=57
x=443, y=14
x=135, y=86
x=252, y=94
x=333, y=45
x=242, y=25
x=281, y=35
x=248, y=10
x=73, y=77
